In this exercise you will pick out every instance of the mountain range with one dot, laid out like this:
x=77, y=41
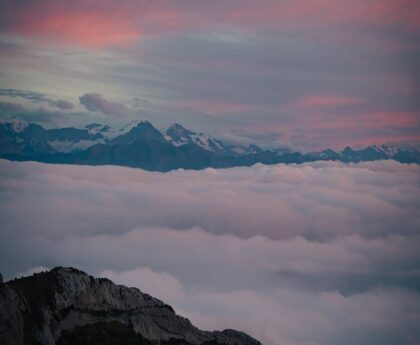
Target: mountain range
x=66, y=306
x=141, y=145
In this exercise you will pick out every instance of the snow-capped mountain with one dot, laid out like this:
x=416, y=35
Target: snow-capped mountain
x=104, y=130
x=373, y=152
x=179, y=135
x=386, y=149
x=138, y=130
x=71, y=139
x=140, y=144
x=14, y=123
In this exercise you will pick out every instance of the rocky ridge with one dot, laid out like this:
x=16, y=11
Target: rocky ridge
x=67, y=306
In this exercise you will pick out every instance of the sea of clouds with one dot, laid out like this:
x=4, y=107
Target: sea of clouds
x=322, y=253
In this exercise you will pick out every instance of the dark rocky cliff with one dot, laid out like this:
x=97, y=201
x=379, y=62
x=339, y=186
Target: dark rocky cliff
x=66, y=306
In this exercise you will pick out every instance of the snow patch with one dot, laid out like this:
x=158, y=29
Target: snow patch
x=17, y=124
x=67, y=146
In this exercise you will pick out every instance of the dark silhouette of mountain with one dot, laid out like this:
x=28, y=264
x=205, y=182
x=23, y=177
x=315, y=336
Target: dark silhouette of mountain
x=141, y=145
x=66, y=306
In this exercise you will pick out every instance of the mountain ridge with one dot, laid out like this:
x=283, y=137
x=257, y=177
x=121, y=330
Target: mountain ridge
x=141, y=145
x=65, y=304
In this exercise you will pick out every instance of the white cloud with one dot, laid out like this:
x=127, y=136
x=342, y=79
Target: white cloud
x=158, y=284
x=299, y=254
x=322, y=200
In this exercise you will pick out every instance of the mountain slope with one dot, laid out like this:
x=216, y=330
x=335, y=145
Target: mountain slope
x=149, y=154
x=66, y=306
x=179, y=135
x=134, y=131
x=141, y=145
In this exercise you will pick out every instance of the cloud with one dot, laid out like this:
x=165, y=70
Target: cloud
x=32, y=96
x=288, y=315
x=326, y=101
x=41, y=115
x=10, y=108
x=36, y=97
x=158, y=284
x=230, y=282
x=280, y=201
x=44, y=115
x=96, y=102
x=98, y=24
x=63, y=105
x=321, y=253
x=315, y=94
x=90, y=24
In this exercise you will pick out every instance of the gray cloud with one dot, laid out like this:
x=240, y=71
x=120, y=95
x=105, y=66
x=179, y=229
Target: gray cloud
x=41, y=115
x=96, y=102
x=32, y=96
x=37, y=97
x=10, y=108
x=63, y=105
x=291, y=254
x=45, y=116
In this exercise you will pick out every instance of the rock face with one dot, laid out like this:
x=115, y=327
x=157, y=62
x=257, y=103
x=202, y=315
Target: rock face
x=66, y=306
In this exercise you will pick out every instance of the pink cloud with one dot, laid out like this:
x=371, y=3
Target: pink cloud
x=100, y=23
x=326, y=101
x=372, y=120
x=358, y=129
x=218, y=107
x=360, y=12
x=86, y=23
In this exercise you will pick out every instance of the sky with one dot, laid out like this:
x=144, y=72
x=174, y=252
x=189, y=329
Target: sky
x=314, y=254
x=304, y=74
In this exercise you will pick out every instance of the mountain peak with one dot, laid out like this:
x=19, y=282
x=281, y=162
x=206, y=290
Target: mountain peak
x=136, y=130
x=176, y=125
x=347, y=149
x=133, y=124
x=179, y=132
x=17, y=124
x=104, y=130
x=145, y=125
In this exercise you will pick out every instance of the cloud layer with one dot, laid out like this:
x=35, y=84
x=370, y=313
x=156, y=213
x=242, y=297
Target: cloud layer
x=319, y=253
x=101, y=23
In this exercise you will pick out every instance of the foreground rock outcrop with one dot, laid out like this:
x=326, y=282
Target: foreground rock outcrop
x=66, y=306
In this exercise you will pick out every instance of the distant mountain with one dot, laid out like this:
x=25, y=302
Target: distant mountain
x=178, y=136
x=66, y=306
x=140, y=144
